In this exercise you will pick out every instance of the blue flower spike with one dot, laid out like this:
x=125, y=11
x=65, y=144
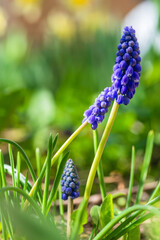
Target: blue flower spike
x=125, y=79
x=127, y=68
x=70, y=181
x=96, y=112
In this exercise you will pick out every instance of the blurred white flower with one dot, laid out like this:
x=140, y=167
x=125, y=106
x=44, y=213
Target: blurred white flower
x=144, y=19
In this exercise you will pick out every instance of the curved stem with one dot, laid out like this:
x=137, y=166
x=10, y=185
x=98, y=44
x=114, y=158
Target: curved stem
x=94, y=167
x=100, y=150
x=55, y=157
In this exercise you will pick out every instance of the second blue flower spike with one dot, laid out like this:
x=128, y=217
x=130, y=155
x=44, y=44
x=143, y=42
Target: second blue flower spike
x=70, y=181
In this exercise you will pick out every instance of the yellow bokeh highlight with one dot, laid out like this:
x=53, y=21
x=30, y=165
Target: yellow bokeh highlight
x=3, y=22
x=30, y=9
x=61, y=25
x=77, y=5
x=27, y=2
x=93, y=21
x=79, y=2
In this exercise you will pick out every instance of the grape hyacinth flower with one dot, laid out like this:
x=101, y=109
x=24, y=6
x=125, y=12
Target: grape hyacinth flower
x=70, y=181
x=127, y=68
x=125, y=78
x=96, y=112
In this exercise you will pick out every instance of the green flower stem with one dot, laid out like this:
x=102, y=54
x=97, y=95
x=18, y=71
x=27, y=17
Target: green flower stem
x=69, y=213
x=93, y=169
x=54, y=158
x=99, y=169
x=100, y=150
x=122, y=215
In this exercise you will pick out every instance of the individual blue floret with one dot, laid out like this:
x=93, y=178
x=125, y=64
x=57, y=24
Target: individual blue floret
x=70, y=181
x=127, y=68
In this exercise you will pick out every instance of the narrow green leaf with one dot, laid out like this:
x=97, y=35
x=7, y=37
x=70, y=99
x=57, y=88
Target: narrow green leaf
x=37, y=187
x=18, y=169
x=106, y=211
x=57, y=180
x=133, y=225
x=23, y=154
x=100, y=168
x=12, y=164
x=47, y=176
x=134, y=234
x=38, y=161
x=95, y=214
x=61, y=208
x=22, y=178
x=28, y=227
x=83, y=219
x=131, y=177
x=24, y=189
x=147, y=159
x=25, y=195
x=156, y=192
x=3, y=176
x=4, y=231
x=54, y=141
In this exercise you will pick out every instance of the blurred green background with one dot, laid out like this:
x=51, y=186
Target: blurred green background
x=55, y=58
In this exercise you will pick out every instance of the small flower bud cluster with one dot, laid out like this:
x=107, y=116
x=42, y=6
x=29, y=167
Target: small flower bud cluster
x=96, y=112
x=70, y=181
x=127, y=68
x=125, y=78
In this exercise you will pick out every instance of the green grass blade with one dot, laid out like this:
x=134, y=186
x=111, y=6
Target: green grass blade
x=133, y=225
x=39, y=180
x=99, y=169
x=24, y=188
x=18, y=170
x=131, y=177
x=156, y=192
x=54, y=142
x=47, y=176
x=57, y=181
x=28, y=227
x=130, y=219
x=38, y=161
x=122, y=215
x=3, y=176
x=147, y=159
x=22, y=178
x=25, y=195
x=24, y=156
x=61, y=208
x=4, y=230
x=12, y=164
